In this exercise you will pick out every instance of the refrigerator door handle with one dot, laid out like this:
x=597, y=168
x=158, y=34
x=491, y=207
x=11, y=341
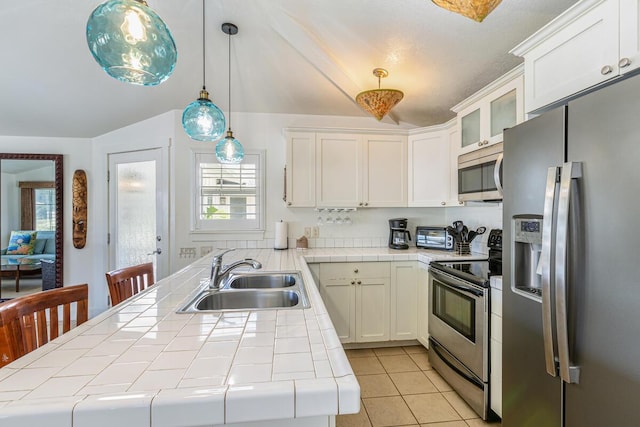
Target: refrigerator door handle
x=572, y=170
x=545, y=264
x=496, y=173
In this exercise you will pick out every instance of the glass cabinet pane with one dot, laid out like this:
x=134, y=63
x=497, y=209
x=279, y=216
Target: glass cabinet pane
x=471, y=128
x=503, y=112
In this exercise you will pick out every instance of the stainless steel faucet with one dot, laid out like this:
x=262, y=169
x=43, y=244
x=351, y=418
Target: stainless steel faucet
x=220, y=272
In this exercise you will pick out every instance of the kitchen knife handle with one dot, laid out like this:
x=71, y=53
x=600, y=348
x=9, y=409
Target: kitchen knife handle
x=572, y=170
x=545, y=263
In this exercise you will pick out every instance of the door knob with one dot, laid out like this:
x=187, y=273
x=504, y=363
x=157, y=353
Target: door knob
x=607, y=69
x=624, y=62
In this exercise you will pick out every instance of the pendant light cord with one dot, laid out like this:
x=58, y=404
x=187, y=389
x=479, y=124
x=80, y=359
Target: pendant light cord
x=229, y=80
x=204, y=74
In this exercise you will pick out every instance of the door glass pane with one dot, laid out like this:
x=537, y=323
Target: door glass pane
x=503, y=113
x=470, y=179
x=455, y=309
x=488, y=182
x=136, y=212
x=471, y=128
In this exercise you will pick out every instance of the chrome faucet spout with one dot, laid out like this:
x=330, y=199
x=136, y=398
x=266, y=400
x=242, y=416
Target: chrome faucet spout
x=220, y=272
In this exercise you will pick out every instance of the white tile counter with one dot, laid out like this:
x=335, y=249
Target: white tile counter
x=143, y=364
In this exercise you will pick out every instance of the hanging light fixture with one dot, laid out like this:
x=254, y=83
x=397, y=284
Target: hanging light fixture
x=474, y=9
x=202, y=120
x=229, y=149
x=378, y=102
x=131, y=43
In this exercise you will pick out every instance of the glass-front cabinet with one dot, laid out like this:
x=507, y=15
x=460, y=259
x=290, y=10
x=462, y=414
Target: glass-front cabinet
x=483, y=117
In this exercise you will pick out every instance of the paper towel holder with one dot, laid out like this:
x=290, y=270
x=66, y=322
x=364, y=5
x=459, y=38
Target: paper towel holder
x=281, y=240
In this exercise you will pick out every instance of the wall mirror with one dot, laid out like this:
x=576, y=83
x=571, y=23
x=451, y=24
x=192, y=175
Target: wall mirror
x=31, y=190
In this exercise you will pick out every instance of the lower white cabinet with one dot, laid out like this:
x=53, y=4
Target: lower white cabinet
x=357, y=297
x=495, y=377
x=404, y=300
x=423, y=304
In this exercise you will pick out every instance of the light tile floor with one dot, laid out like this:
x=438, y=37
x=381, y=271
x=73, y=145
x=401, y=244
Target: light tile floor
x=398, y=387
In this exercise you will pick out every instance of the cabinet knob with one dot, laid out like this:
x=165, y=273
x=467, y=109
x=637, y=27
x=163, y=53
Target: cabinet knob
x=624, y=62
x=359, y=282
x=360, y=204
x=366, y=204
x=288, y=203
x=443, y=203
x=607, y=69
x=353, y=282
x=356, y=271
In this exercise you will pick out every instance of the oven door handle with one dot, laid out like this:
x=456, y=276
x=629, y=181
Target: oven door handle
x=455, y=283
x=442, y=354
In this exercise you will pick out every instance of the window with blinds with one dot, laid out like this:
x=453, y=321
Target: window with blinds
x=228, y=195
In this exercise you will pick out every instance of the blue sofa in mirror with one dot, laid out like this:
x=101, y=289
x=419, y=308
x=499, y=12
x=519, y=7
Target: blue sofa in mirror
x=30, y=244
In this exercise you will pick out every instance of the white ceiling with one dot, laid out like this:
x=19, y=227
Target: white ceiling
x=290, y=56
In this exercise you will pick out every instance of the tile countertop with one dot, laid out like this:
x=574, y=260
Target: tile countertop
x=143, y=364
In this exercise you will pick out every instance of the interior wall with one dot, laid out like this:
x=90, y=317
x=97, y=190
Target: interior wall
x=77, y=154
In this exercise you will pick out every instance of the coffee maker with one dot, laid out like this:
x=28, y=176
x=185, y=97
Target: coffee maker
x=399, y=236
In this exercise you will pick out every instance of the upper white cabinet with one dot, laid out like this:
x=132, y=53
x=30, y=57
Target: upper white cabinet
x=592, y=42
x=483, y=116
x=361, y=170
x=430, y=169
x=300, y=176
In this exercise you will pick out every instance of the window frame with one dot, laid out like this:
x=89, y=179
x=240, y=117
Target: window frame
x=231, y=229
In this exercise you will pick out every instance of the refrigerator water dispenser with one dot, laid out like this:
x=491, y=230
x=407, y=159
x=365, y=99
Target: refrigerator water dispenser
x=527, y=247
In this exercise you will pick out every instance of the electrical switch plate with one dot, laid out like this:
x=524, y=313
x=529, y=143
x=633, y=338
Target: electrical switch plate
x=307, y=232
x=315, y=232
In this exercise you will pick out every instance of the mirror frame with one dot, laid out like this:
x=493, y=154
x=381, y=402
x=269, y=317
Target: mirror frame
x=58, y=172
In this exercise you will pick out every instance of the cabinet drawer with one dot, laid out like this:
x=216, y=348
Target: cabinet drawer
x=351, y=270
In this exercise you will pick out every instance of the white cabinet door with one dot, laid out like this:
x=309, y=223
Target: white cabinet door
x=404, y=301
x=423, y=304
x=339, y=299
x=301, y=169
x=338, y=174
x=629, y=35
x=429, y=169
x=384, y=180
x=578, y=56
x=372, y=309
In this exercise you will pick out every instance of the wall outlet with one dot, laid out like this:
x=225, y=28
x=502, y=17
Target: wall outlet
x=187, y=252
x=205, y=250
x=315, y=232
x=307, y=232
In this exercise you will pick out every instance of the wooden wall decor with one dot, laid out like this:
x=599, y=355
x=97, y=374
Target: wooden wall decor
x=79, y=210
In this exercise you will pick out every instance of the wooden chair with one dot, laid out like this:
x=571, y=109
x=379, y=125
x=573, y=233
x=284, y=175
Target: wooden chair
x=126, y=282
x=29, y=322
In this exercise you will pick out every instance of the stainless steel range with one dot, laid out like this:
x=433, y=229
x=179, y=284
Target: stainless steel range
x=459, y=310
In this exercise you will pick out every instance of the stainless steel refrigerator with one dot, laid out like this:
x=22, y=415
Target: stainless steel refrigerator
x=571, y=276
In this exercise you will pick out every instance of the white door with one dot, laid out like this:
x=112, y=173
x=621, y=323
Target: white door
x=138, y=225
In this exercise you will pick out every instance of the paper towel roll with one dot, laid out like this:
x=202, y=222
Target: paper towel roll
x=281, y=235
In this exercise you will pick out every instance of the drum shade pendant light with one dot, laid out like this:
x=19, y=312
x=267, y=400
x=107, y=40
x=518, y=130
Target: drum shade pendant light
x=378, y=102
x=229, y=149
x=474, y=9
x=131, y=43
x=202, y=120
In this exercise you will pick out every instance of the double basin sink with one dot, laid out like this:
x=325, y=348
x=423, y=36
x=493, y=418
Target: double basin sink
x=252, y=291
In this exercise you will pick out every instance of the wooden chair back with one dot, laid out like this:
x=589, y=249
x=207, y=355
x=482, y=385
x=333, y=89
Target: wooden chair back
x=29, y=322
x=126, y=282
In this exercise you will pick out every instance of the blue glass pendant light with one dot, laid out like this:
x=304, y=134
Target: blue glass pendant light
x=131, y=43
x=202, y=120
x=229, y=149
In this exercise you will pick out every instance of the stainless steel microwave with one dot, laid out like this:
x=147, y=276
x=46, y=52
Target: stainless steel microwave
x=480, y=174
x=434, y=237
